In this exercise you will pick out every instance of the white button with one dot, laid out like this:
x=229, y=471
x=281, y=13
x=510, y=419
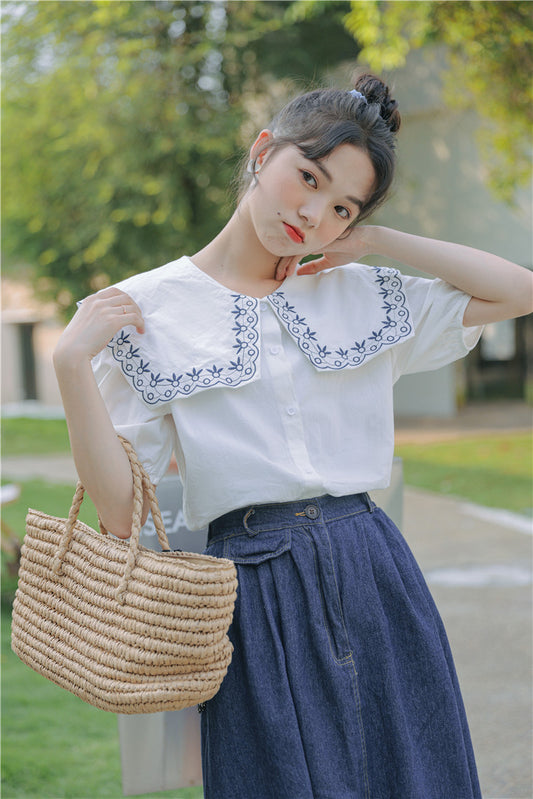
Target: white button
x=291, y=411
x=274, y=350
x=263, y=304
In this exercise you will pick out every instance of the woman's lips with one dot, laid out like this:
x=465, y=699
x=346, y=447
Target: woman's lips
x=294, y=233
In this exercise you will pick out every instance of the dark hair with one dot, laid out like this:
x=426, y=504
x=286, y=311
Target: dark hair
x=321, y=120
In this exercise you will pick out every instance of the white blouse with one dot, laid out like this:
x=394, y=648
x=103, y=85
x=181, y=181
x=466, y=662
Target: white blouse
x=278, y=399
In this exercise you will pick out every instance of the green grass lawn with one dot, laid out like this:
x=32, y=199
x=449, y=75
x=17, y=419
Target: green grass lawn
x=34, y=436
x=496, y=471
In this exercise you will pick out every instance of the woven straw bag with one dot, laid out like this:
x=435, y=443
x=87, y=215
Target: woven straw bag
x=127, y=629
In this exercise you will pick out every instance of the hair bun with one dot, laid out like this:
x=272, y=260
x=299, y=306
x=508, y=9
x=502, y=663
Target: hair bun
x=378, y=92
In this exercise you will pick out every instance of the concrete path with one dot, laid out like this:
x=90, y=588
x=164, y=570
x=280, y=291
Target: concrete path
x=53, y=468
x=478, y=566
x=475, y=419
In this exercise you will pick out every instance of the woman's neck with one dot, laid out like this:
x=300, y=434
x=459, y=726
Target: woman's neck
x=236, y=259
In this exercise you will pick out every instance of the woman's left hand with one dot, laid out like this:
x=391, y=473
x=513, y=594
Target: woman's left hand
x=345, y=250
x=286, y=266
x=350, y=248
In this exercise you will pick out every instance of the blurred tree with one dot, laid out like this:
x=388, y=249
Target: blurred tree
x=122, y=125
x=490, y=50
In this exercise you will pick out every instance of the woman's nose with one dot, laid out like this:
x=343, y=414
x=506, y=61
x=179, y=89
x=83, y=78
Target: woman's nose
x=311, y=212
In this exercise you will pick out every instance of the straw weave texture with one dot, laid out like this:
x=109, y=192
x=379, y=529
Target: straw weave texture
x=125, y=628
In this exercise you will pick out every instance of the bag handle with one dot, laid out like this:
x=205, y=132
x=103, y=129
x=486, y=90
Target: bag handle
x=141, y=485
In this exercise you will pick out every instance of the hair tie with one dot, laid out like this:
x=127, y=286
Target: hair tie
x=358, y=95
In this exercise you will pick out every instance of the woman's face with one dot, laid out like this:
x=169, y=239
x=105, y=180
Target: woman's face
x=299, y=206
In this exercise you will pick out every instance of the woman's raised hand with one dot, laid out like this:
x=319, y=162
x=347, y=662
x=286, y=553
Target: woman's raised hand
x=349, y=248
x=286, y=266
x=95, y=323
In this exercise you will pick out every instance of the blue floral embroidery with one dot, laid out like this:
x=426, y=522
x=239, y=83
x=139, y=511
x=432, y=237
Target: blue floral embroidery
x=156, y=388
x=394, y=327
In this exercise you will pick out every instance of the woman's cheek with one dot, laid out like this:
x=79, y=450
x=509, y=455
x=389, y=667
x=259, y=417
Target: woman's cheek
x=291, y=196
x=332, y=234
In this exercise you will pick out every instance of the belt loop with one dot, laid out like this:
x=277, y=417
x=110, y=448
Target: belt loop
x=370, y=505
x=245, y=521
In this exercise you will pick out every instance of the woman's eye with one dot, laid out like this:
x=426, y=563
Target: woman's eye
x=309, y=178
x=342, y=211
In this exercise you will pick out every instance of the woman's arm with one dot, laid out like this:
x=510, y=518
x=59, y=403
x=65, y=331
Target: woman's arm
x=100, y=459
x=500, y=289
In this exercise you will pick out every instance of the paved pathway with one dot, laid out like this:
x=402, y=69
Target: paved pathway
x=481, y=418
x=53, y=468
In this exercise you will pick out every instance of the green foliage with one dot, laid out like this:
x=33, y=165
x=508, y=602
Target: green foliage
x=123, y=126
x=310, y=40
x=490, y=51
x=115, y=123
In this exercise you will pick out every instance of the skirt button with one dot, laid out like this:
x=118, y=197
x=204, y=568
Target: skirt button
x=312, y=512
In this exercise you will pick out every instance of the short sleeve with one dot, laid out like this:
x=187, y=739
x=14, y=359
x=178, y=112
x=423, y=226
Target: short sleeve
x=437, y=310
x=151, y=432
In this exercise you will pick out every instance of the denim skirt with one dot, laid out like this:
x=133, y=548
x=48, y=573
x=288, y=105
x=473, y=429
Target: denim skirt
x=342, y=684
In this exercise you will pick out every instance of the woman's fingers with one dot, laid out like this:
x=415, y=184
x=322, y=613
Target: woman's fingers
x=98, y=318
x=129, y=313
x=312, y=267
x=124, y=308
x=286, y=267
x=347, y=249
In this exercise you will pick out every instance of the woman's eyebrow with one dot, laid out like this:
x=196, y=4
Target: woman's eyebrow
x=327, y=175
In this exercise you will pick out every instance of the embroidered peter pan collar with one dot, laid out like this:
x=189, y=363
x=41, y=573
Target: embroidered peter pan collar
x=200, y=335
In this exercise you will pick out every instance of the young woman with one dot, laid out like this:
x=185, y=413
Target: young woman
x=272, y=383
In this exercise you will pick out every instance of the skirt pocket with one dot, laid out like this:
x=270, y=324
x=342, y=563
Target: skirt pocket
x=251, y=548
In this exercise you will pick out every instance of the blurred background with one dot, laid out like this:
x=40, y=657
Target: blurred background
x=123, y=126
x=124, y=123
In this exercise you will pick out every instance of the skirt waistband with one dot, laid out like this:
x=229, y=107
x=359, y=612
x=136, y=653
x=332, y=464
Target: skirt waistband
x=277, y=515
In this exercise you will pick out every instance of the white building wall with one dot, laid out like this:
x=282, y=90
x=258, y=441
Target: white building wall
x=19, y=307
x=11, y=365
x=45, y=339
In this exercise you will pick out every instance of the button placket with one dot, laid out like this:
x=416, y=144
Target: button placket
x=282, y=382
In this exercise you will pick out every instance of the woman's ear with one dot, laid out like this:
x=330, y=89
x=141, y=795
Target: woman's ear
x=260, y=147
